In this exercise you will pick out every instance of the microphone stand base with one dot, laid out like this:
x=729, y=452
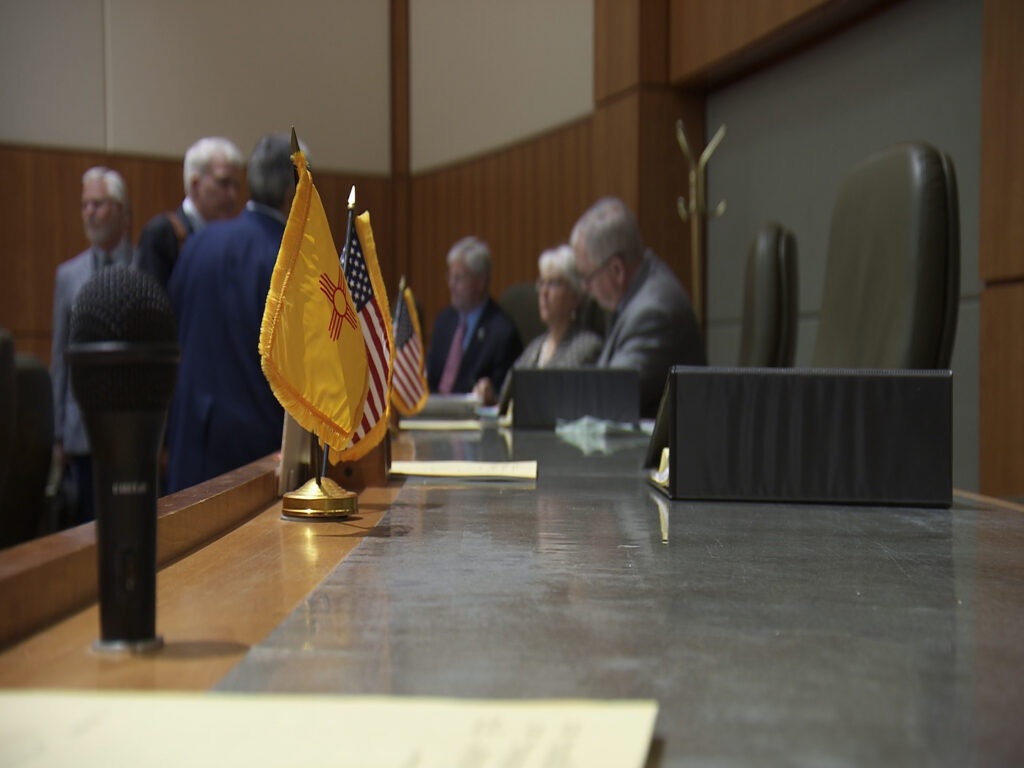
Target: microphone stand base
x=128, y=646
x=319, y=499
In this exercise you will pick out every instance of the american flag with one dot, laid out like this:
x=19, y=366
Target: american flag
x=376, y=325
x=409, y=383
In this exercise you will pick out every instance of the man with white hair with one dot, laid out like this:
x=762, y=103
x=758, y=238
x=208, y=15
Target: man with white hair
x=105, y=217
x=213, y=177
x=653, y=325
x=474, y=342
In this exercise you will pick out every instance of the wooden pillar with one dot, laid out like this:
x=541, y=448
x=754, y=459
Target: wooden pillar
x=400, y=186
x=634, y=150
x=1001, y=251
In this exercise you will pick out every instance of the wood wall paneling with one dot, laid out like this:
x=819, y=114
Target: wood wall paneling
x=41, y=205
x=400, y=140
x=636, y=157
x=520, y=200
x=1001, y=450
x=664, y=175
x=1001, y=251
x=712, y=42
x=42, y=217
x=1001, y=235
x=630, y=45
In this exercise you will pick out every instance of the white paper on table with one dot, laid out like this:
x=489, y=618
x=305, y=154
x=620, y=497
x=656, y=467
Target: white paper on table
x=496, y=470
x=40, y=729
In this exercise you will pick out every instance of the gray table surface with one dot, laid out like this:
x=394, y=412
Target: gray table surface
x=769, y=634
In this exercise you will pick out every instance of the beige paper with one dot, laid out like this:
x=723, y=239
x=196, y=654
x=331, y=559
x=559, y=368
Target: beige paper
x=515, y=470
x=440, y=425
x=40, y=729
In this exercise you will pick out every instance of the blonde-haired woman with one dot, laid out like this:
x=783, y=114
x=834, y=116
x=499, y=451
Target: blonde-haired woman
x=566, y=344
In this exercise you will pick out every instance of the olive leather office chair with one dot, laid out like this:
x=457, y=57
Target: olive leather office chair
x=6, y=401
x=892, y=275
x=24, y=508
x=519, y=300
x=770, y=299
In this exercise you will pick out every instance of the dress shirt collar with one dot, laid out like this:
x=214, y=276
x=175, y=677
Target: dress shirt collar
x=122, y=254
x=266, y=210
x=192, y=213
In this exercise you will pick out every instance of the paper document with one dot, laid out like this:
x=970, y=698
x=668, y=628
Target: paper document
x=47, y=728
x=515, y=470
x=440, y=425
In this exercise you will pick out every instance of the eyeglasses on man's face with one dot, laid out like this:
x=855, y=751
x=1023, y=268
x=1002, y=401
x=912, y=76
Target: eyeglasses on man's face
x=588, y=278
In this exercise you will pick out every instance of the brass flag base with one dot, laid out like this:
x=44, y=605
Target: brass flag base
x=321, y=499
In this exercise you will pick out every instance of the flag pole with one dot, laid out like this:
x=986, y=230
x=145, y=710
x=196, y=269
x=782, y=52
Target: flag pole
x=343, y=261
x=320, y=498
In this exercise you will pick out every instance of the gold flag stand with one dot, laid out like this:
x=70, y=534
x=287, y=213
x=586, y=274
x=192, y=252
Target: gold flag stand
x=320, y=497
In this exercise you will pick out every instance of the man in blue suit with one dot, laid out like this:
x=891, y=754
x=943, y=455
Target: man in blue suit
x=224, y=414
x=474, y=340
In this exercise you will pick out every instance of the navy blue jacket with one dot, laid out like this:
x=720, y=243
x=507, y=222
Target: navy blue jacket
x=223, y=414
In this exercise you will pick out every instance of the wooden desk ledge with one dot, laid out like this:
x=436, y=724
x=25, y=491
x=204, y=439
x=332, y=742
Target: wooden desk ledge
x=230, y=571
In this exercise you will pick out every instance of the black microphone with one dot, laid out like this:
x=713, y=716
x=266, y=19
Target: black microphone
x=123, y=356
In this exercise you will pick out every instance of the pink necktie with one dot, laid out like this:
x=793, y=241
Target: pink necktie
x=451, y=365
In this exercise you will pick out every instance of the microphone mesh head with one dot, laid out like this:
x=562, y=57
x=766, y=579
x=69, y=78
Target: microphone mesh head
x=129, y=310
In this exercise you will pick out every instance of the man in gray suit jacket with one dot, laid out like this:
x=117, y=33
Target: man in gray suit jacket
x=106, y=219
x=653, y=326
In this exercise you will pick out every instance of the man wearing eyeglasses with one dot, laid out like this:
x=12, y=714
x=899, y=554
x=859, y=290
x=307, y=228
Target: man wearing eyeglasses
x=653, y=326
x=213, y=179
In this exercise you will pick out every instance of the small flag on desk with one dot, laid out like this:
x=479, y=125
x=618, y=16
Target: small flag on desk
x=311, y=345
x=409, y=391
x=371, y=304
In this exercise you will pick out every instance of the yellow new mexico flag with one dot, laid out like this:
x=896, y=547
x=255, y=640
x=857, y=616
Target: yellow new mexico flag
x=311, y=343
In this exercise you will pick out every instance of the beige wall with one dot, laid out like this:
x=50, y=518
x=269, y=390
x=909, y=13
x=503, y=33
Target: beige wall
x=149, y=76
x=487, y=73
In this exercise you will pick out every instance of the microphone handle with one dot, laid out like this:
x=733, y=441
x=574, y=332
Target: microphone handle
x=125, y=449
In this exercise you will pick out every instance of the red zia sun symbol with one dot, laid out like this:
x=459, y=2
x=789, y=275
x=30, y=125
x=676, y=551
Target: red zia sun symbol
x=341, y=310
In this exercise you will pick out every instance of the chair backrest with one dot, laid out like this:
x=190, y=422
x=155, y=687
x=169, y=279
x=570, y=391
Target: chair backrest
x=519, y=300
x=770, y=299
x=23, y=505
x=6, y=401
x=892, y=278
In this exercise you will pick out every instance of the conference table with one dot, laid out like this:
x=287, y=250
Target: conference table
x=768, y=633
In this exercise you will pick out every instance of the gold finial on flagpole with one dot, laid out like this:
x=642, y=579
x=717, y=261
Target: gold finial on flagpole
x=352, y=198
x=295, y=141
x=401, y=285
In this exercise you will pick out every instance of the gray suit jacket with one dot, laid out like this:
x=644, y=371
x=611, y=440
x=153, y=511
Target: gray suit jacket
x=654, y=329
x=72, y=274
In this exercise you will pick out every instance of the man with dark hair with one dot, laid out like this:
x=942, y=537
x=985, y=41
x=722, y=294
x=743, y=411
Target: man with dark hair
x=224, y=414
x=212, y=176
